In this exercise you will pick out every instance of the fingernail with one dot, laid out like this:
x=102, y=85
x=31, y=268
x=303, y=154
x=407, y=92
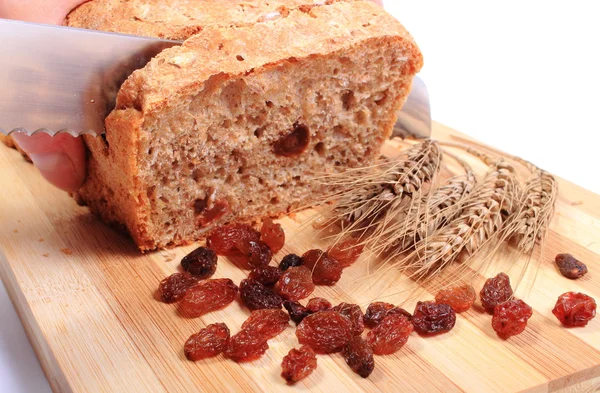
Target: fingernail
x=57, y=168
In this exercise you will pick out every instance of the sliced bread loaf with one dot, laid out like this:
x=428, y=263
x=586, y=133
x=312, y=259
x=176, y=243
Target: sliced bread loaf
x=233, y=124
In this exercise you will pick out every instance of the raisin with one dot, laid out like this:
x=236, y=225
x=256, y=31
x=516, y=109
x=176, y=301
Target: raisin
x=208, y=342
x=570, y=267
x=354, y=314
x=298, y=364
x=174, y=287
x=390, y=334
x=295, y=283
x=202, y=262
x=459, y=298
x=267, y=323
x=325, y=270
x=254, y=253
x=272, y=234
x=296, y=311
x=325, y=331
x=510, y=318
x=266, y=275
x=359, y=356
x=209, y=295
x=257, y=297
x=290, y=260
x=495, y=291
x=214, y=213
x=346, y=252
x=574, y=309
x=377, y=311
x=432, y=318
x=245, y=346
x=223, y=240
x=294, y=143
x=317, y=304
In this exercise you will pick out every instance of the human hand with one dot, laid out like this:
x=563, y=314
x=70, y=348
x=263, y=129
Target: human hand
x=60, y=159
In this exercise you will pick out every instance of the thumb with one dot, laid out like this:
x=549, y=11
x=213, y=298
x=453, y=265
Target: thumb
x=60, y=158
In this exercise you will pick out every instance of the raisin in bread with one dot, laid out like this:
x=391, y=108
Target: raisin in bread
x=232, y=125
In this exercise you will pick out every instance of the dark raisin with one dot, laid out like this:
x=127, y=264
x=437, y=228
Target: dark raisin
x=295, y=283
x=432, y=318
x=570, y=267
x=510, y=318
x=207, y=296
x=574, y=309
x=290, y=260
x=346, y=252
x=359, y=356
x=245, y=346
x=267, y=323
x=173, y=288
x=459, y=298
x=325, y=270
x=208, y=342
x=354, y=314
x=298, y=364
x=294, y=143
x=296, y=311
x=273, y=235
x=202, y=262
x=496, y=290
x=257, y=297
x=390, y=334
x=325, y=331
x=223, y=240
x=254, y=253
x=266, y=275
x=317, y=304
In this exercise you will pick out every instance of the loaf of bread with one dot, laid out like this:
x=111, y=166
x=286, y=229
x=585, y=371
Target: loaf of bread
x=232, y=125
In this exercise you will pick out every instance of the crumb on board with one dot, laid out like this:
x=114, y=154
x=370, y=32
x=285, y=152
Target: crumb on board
x=41, y=239
x=66, y=251
x=15, y=230
x=576, y=203
x=45, y=255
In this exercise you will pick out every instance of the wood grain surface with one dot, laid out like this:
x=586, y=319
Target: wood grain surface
x=86, y=297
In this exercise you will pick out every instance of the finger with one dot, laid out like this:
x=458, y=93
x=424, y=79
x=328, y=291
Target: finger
x=378, y=2
x=60, y=159
x=52, y=12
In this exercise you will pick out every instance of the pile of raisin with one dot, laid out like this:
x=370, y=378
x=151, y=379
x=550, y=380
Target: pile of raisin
x=359, y=356
x=377, y=311
x=325, y=269
x=295, y=283
x=325, y=331
x=208, y=342
x=433, y=318
x=290, y=260
x=354, y=314
x=390, y=334
x=256, y=296
x=201, y=263
x=273, y=235
x=510, y=318
x=569, y=266
x=496, y=290
x=207, y=296
x=574, y=309
x=172, y=288
x=459, y=298
x=346, y=252
x=298, y=364
x=266, y=275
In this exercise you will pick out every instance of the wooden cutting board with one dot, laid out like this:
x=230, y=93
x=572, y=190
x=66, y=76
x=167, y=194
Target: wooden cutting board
x=86, y=297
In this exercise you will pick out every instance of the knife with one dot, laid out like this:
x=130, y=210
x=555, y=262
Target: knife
x=62, y=79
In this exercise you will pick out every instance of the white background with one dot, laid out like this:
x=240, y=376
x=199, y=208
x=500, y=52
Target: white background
x=523, y=76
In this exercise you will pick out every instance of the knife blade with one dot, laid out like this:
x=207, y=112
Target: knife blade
x=62, y=79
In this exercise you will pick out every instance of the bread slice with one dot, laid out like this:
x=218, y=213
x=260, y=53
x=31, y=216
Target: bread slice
x=9, y=141
x=232, y=125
